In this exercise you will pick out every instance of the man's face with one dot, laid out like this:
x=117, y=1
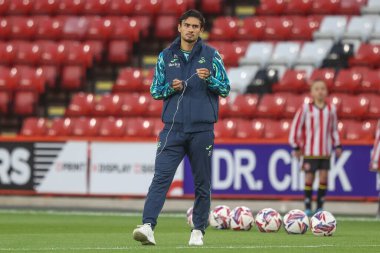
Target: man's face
x=190, y=29
x=319, y=91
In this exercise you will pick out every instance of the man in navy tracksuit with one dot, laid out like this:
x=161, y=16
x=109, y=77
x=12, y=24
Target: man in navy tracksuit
x=189, y=77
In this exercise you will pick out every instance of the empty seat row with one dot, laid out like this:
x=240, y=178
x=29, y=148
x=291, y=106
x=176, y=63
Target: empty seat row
x=285, y=105
x=98, y=7
x=287, y=53
x=72, y=27
x=123, y=104
x=91, y=127
x=21, y=103
x=276, y=7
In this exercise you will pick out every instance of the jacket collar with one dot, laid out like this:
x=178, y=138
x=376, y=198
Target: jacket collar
x=175, y=47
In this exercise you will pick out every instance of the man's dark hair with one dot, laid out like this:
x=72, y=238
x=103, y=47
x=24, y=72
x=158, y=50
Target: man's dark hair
x=194, y=14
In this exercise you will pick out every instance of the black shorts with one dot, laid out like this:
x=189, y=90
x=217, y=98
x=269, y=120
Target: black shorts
x=316, y=164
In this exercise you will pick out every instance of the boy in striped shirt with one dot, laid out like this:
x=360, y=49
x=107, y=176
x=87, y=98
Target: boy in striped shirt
x=314, y=136
x=375, y=156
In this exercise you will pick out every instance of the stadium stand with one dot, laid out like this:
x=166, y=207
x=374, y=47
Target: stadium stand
x=93, y=60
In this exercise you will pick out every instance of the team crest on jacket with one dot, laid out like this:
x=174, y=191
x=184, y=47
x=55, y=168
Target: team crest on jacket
x=174, y=62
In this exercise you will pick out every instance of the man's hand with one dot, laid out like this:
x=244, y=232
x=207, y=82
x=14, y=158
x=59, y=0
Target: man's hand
x=374, y=166
x=203, y=73
x=177, y=85
x=338, y=152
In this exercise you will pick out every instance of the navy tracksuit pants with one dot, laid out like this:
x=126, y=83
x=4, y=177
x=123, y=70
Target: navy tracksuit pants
x=198, y=147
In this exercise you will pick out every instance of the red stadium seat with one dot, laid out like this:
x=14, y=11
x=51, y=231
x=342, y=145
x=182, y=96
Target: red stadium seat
x=326, y=74
x=99, y=28
x=125, y=29
x=50, y=74
x=51, y=53
x=96, y=49
x=354, y=107
x=61, y=127
x=118, y=51
x=4, y=5
x=45, y=7
x=271, y=105
x=212, y=6
x=292, y=81
x=143, y=23
x=96, y=7
x=347, y=80
x=226, y=128
x=25, y=103
x=8, y=53
x=112, y=127
x=252, y=28
x=20, y=7
x=121, y=7
x=72, y=77
x=326, y=6
x=367, y=54
x=71, y=7
x=351, y=7
x=27, y=53
x=129, y=79
x=138, y=127
x=147, y=7
x=30, y=79
x=8, y=80
x=174, y=7
x=278, y=28
x=5, y=28
x=108, y=105
x=86, y=127
x=370, y=126
x=337, y=100
x=277, y=129
x=48, y=28
x=23, y=27
x=166, y=27
x=355, y=130
x=244, y=106
x=135, y=104
x=244, y=129
x=293, y=103
x=224, y=28
x=374, y=106
x=298, y=7
x=370, y=81
x=148, y=75
x=230, y=52
x=155, y=108
x=4, y=101
x=34, y=127
x=76, y=54
x=224, y=107
x=303, y=27
x=81, y=104
x=271, y=7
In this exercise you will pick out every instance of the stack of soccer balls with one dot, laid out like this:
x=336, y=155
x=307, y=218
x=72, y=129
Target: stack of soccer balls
x=267, y=220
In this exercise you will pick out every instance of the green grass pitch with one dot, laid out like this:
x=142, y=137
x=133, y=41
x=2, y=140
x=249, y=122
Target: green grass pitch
x=28, y=231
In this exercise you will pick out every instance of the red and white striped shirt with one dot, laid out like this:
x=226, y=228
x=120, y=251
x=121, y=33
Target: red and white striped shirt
x=375, y=157
x=315, y=130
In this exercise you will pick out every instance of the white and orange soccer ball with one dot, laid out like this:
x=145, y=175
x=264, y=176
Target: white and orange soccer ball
x=241, y=218
x=268, y=220
x=189, y=215
x=323, y=223
x=296, y=222
x=220, y=217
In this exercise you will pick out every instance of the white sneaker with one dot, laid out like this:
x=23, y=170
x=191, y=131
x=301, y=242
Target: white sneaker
x=196, y=238
x=144, y=234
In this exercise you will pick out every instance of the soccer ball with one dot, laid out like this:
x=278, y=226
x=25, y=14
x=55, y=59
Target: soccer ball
x=323, y=223
x=268, y=220
x=220, y=217
x=296, y=222
x=189, y=215
x=241, y=218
